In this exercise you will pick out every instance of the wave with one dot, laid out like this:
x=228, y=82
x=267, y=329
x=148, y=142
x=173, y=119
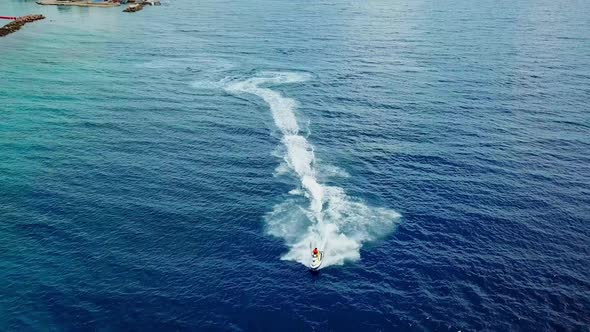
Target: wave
x=315, y=214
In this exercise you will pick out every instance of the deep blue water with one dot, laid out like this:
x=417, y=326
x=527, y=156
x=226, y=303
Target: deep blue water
x=165, y=170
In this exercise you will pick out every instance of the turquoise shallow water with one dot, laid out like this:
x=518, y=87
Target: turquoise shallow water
x=166, y=170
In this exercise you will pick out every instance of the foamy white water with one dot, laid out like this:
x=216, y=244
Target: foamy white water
x=327, y=218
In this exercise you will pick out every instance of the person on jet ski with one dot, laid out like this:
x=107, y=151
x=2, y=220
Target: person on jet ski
x=315, y=251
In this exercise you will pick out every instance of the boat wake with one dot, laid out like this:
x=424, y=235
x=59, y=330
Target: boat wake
x=316, y=214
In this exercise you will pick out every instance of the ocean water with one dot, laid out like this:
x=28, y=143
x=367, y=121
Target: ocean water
x=168, y=170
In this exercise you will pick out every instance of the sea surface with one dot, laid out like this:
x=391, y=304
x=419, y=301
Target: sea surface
x=170, y=169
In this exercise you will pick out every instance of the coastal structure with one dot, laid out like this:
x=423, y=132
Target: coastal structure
x=100, y=3
x=139, y=4
x=145, y=2
x=80, y=3
x=17, y=23
x=134, y=8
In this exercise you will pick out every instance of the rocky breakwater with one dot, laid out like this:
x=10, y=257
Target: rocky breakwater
x=134, y=8
x=18, y=23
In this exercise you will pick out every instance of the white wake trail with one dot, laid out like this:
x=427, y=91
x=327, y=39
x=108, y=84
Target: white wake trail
x=330, y=219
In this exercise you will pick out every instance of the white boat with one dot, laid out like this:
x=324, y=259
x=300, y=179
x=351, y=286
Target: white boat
x=316, y=261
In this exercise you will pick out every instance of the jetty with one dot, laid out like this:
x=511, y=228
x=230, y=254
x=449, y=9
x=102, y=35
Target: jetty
x=17, y=23
x=80, y=3
x=134, y=8
x=139, y=4
x=145, y=2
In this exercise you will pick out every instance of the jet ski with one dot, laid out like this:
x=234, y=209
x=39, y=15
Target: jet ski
x=316, y=261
